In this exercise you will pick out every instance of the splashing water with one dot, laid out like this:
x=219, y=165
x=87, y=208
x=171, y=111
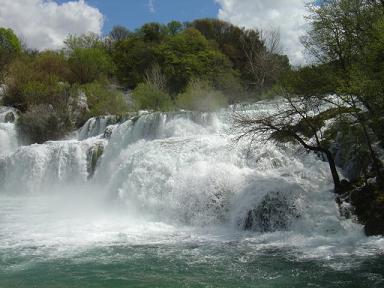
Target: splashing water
x=169, y=200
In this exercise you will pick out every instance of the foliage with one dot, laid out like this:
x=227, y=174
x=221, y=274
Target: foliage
x=201, y=96
x=85, y=41
x=146, y=96
x=41, y=123
x=254, y=54
x=189, y=55
x=104, y=100
x=90, y=64
x=311, y=80
x=174, y=27
x=10, y=46
x=152, y=32
x=132, y=58
x=37, y=80
x=299, y=120
x=158, y=62
x=119, y=33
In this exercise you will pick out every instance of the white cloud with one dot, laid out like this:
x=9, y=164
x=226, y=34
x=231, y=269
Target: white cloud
x=151, y=6
x=44, y=24
x=285, y=15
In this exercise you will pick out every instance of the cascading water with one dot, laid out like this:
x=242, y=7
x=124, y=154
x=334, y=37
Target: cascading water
x=164, y=196
x=8, y=139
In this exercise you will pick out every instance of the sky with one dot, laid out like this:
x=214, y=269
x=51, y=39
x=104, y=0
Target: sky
x=44, y=24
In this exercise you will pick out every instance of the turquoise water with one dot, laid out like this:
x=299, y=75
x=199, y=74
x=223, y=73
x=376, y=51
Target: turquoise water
x=211, y=264
x=166, y=207
x=42, y=246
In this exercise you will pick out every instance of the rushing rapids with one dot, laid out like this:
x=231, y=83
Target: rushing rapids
x=167, y=178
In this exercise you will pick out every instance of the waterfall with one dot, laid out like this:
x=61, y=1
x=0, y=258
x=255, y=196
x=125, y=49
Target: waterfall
x=175, y=178
x=181, y=168
x=8, y=138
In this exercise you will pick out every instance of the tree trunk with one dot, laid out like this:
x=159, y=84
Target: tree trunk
x=335, y=174
x=331, y=161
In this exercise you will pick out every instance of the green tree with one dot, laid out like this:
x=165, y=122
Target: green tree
x=10, y=46
x=190, y=55
x=119, y=33
x=90, y=64
x=152, y=32
x=88, y=40
x=342, y=35
x=40, y=79
x=174, y=27
x=102, y=99
x=133, y=57
x=295, y=119
x=147, y=96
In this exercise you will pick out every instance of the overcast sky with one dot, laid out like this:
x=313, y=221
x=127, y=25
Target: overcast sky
x=44, y=24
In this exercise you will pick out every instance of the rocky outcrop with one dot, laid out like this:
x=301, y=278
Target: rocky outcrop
x=276, y=212
x=352, y=159
x=93, y=156
x=366, y=203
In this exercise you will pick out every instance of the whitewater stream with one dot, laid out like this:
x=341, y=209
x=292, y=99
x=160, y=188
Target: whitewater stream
x=170, y=200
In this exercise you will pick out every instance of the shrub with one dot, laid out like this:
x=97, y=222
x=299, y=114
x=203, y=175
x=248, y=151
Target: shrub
x=146, y=96
x=90, y=64
x=104, y=100
x=41, y=123
x=200, y=96
x=37, y=80
x=10, y=46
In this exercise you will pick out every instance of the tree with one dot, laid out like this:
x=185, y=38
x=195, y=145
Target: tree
x=152, y=32
x=343, y=36
x=35, y=80
x=297, y=119
x=190, y=55
x=262, y=51
x=89, y=40
x=149, y=97
x=10, y=46
x=174, y=27
x=119, y=33
x=133, y=57
x=90, y=64
x=255, y=54
x=102, y=99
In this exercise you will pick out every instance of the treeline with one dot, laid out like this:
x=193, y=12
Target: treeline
x=202, y=65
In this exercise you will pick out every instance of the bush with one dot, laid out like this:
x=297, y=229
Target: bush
x=10, y=46
x=42, y=123
x=200, y=96
x=147, y=96
x=90, y=64
x=50, y=63
x=104, y=100
x=37, y=80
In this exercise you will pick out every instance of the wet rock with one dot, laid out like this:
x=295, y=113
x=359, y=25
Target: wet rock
x=375, y=225
x=93, y=156
x=368, y=203
x=276, y=212
x=9, y=117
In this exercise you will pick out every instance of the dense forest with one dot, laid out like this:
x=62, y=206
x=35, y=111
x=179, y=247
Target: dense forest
x=207, y=64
